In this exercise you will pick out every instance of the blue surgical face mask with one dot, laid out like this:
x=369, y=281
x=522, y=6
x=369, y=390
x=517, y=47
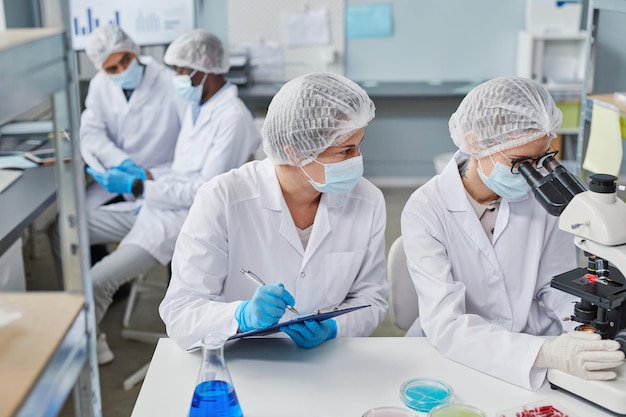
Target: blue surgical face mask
x=184, y=88
x=341, y=177
x=504, y=183
x=130, y=78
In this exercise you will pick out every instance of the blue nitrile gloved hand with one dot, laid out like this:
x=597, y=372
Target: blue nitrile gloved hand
x=311, y=333
x=130, y=167
x=114, y=181
x=265, y=309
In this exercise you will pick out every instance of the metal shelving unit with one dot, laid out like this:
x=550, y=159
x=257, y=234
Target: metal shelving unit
x=587, y=98
x=50, y=351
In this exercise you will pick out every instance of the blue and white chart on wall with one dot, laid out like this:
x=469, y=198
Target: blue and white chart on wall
x=147, y=22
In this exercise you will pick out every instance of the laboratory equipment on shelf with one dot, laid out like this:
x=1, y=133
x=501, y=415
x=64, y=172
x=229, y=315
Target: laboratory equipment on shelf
x=596, y=218
x=214, y=395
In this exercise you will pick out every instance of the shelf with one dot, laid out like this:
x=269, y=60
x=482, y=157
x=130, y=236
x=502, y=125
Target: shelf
x=42, y=354
x=594, y=9
x=50, y=350
x=33, y=66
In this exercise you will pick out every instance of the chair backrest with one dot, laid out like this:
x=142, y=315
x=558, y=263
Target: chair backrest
x=402, y=295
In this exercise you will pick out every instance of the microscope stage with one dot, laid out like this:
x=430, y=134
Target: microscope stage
x=607, y=394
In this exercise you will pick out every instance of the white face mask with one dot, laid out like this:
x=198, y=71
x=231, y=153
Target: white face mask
x=503, y=182
x=341, y=177
x=130, y=78
x=184, y=88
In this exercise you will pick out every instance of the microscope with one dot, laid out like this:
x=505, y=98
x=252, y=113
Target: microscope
x=597, y=219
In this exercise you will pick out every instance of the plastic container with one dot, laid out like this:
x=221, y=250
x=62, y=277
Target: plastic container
x=455, y=410
x=548, y=408
x=423, y=394
x=389, y=412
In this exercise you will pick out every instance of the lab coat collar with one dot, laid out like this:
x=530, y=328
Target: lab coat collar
x=270, y=194
x=451, y=187
x=208, y=108
x=271, y=198
x=455, y=199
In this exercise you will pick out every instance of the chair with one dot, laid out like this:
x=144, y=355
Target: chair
x=402, y=296
x=140, y=286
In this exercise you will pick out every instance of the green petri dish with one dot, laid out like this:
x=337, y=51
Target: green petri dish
x=423, y=394
x=455, y=410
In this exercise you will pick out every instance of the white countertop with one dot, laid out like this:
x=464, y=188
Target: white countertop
x=342, y=378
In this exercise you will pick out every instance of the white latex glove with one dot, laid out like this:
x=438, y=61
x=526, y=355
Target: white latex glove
x=583, y=354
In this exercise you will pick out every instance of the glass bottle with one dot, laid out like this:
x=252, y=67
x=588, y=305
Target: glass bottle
x=214, y=395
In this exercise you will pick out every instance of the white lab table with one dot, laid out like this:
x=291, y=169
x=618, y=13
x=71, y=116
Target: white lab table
x=342, y=378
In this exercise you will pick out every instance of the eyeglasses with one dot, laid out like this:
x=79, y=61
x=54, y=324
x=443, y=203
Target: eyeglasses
x=537, y=162
x=119, y=66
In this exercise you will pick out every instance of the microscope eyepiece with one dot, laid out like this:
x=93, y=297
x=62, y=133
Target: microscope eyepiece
x=554, y=190
x=550, y=163
x=532, y=176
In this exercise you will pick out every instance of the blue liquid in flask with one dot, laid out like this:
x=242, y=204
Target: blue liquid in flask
x=215, y=399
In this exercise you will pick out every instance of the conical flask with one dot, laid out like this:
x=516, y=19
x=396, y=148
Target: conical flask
x=214, y=395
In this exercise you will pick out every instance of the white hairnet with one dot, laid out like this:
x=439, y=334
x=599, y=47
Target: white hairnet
x=199, y=50
x=503, y=113
x=311, y=113
x=106, y=40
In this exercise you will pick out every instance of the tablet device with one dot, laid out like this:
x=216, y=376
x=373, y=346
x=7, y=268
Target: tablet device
x=43, y=157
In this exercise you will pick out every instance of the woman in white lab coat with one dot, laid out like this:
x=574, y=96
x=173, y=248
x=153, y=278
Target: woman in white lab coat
x=482, y=251
x=218, y=134
x=304, y=220
x=132, y=111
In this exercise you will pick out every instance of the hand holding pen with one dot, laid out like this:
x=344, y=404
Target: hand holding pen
x=267, y=306
x=260, y=282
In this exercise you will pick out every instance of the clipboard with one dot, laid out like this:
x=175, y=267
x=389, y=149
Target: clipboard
x=276, y=328
x=315, y=317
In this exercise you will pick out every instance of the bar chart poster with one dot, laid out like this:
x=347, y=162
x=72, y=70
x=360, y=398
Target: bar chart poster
x=147, y=22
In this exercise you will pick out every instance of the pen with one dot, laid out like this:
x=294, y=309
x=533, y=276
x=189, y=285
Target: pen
x=259, y=281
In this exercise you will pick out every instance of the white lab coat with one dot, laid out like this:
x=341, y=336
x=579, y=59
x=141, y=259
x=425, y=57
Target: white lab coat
x=143, y=128
x=241, y=220
x=223, y=137
x=482, y=303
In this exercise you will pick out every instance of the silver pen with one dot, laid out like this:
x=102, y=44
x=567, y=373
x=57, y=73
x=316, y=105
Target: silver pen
x=260, y=282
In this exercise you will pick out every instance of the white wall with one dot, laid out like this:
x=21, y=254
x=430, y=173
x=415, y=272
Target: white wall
x=2, y=22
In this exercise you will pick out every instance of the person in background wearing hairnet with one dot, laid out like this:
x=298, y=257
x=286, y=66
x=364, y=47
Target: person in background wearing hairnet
x=130, y=123
x=481, y=250
x=132, y=116
x=304, y=220
x=218, y=134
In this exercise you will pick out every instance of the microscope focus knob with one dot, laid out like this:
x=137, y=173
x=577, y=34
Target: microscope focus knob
x=603, y=183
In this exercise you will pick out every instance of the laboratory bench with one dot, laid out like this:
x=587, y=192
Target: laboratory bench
x=51, y=349
x=42, y=353
x=22, y=202
x=340, y=378
x=261, y=93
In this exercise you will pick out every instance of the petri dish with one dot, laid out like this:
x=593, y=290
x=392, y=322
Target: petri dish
x=455, y=410
x=423, y=394
x=389, y=412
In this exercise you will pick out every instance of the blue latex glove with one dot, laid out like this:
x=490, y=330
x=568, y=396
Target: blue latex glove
x=265, y=309
x=311, y=333
x=114, y=181
x=130, y=167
